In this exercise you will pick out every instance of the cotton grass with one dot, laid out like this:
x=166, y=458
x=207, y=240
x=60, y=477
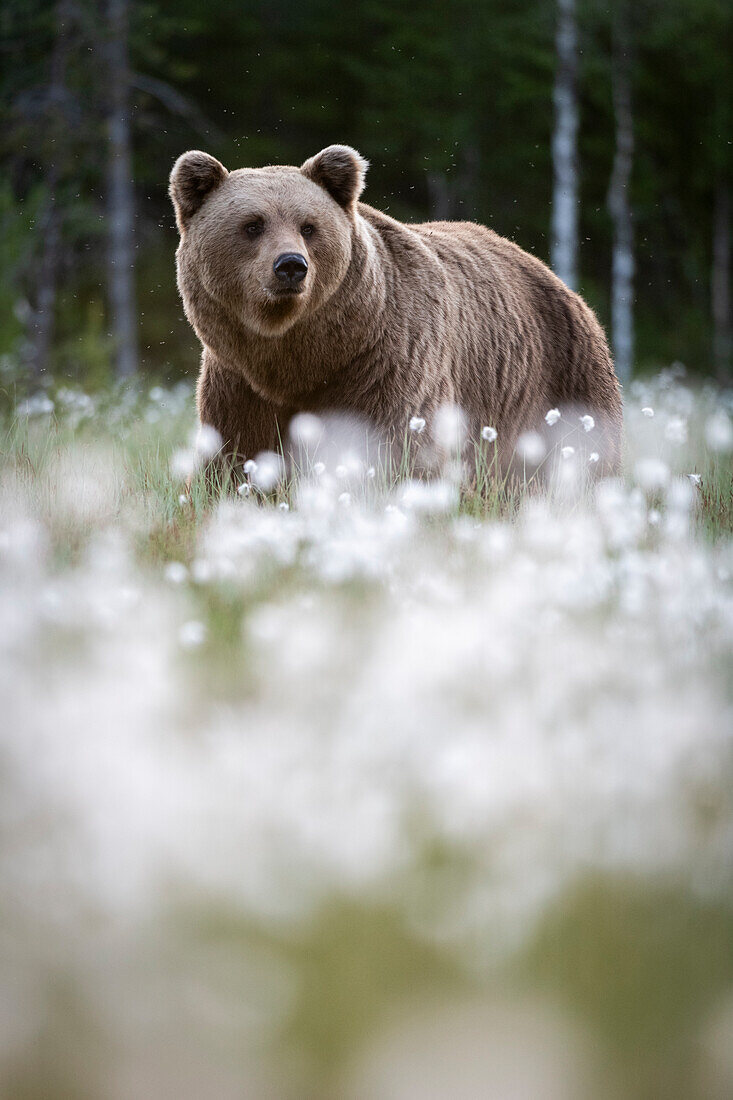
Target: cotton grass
x=302, y=789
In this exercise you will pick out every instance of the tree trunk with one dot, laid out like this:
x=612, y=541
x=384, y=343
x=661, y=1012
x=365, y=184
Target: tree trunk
x=42, y=318
x=619, y=205
x=721, y=283
x=564, y=245
x=120, y=193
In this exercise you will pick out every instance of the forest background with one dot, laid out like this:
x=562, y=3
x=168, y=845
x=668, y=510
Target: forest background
x=597, y=136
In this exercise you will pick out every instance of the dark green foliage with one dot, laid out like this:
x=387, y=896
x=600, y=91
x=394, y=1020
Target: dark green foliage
x=452, y=104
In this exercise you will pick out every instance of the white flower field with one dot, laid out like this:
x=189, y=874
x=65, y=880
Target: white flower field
x=339, y=789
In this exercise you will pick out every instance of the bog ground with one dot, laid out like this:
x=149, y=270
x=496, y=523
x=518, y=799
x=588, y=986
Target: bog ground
x=345, y=789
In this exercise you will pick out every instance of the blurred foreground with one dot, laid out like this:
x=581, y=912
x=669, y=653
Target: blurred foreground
x=364, y=793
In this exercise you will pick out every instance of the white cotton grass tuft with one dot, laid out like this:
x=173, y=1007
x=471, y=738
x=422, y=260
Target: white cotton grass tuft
x=417, y=424
x=205, y=444
x=594, y=457
x=430, y=497
x=268, y=469
x=652, y=473
x=350, y=467
x=675, y=431
x=183, y=464
x=192, y=634
x=531, y=448
x=588, y=422
x=306, y=429
x=250, y=467
x=552, y=416
x=719, y=432
x=489, y=434
x=300, y=706
x=208, y=442
x=449, y=428
x=567, y=452
x=175, y=572
x=38, y=405
x=647, y=411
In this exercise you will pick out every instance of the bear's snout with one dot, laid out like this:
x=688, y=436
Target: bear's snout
x=290, y=268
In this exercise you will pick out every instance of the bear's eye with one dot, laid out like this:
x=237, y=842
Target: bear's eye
x=253, y=229
x=307, y=230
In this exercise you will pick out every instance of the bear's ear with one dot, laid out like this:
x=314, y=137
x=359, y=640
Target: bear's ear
x=194, y=176
x=340, y=170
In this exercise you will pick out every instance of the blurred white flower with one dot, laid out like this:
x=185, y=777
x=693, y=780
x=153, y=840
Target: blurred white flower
x=489, y=434
x=430, y=497
x=319, y=468
x=719, y=432
x=647, y=411
x=345, y=500
x=250, y=466
x=652, y=473
x=208, y=441
x=588, y=423
x=267, y=471
x=244, y=489
x=594, y=456
x=183, y=463
x=654, y=517
x=552, y=416
x=450, y=427
x=182, y=499
x=201, y=571
x=306, y=429
x=192, y=634
x=675, y=430
x=680, y=494
x=175, y=572
x=695, y=479
x=371, y=473
x=531, y=447
x=567, y=452
x=417, y=424
x=40, y=405
x=341, y=472
x=283, y=506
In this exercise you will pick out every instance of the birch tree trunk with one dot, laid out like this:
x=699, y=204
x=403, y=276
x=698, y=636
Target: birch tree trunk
x=721, y=283
x=120, y=193
x=619, y=205
x=564, y=244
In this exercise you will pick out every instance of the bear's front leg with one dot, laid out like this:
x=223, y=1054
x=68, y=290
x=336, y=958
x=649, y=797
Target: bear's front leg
x=246, y=423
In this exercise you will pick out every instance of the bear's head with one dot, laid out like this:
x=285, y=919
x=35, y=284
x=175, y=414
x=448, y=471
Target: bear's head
x=266, y=245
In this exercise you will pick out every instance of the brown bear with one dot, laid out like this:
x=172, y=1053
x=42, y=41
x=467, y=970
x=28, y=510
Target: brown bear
x=304, y=298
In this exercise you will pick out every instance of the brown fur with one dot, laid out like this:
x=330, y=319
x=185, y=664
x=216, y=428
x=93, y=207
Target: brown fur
x=392, y=320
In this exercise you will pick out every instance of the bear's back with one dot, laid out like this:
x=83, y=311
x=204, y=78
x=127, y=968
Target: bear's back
x=521, y=340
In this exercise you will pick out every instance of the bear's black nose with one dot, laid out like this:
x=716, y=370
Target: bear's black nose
x=291, y=268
